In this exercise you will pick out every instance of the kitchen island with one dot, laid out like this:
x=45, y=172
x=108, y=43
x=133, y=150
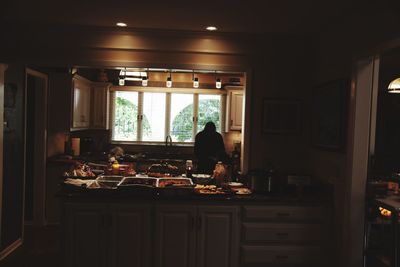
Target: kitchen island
x=112, y=228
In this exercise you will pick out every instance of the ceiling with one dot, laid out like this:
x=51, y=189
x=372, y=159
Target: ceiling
x=238, y=16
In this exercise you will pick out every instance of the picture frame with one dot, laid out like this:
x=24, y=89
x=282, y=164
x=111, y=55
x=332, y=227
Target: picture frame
x=281, y=116
x=329, y=115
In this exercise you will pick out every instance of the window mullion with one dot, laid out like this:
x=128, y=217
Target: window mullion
x=222, y=114
x=139, y=118
x=112, y=114
x=167, y=114
x=195, y=114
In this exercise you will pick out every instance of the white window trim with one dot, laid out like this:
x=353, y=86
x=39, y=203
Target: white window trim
x=141, y=90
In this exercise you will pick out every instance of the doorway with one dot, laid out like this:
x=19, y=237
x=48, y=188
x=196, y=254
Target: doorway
x=35, y=148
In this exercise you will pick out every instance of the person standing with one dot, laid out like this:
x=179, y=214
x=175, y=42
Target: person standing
x=209, y=148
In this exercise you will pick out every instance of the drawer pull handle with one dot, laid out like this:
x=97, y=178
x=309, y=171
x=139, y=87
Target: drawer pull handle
x=282, y=257
x=282, y=234
x=283, y=214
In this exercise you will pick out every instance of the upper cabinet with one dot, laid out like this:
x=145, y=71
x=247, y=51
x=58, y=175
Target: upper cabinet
x=100, y=105
x=234, y=108
x=81, y=102
x=90, y=104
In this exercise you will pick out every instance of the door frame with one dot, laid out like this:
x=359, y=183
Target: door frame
x=361, y=120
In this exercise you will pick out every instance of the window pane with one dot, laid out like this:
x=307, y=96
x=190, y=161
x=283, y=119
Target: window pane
x=181, y=117
x=209, y=109
x=125, y=116
x=153, y=116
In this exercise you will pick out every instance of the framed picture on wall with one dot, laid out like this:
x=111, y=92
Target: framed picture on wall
x=281, y=116
x=329, y=115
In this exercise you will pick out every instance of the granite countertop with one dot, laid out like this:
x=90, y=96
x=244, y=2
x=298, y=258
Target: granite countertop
x=171, y=195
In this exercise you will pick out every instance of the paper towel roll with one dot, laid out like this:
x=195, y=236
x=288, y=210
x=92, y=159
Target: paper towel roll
x=76, y=144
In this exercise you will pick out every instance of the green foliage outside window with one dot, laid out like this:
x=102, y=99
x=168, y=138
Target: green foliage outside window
x=125, y=118
x=208, y=111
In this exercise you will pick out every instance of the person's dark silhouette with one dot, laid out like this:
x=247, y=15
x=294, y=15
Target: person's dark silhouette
x=209, y=148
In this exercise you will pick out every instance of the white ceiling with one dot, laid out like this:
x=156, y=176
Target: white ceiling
x=246, y=16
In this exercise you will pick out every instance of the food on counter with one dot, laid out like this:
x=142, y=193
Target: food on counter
x=162, y=170
x=138, y=181
x=78, y=182
x=208, y=189
x=242, y=191
x=167, y=182
x=80, y=170
x=220, y=173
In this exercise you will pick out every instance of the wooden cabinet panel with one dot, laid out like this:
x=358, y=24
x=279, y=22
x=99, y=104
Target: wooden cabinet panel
x=255, y=256
x=175, y=236
x=130, y=236
x=282, y=213
x=234, y=110
x=85, y=236
x=269, y=232
x=218, y=233
x=81, y=103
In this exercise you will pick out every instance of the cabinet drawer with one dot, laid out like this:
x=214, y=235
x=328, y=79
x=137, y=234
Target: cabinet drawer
x=280, y=255
x=270, y=232
x=282, y=213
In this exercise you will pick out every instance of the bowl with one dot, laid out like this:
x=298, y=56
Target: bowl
x=203, y=179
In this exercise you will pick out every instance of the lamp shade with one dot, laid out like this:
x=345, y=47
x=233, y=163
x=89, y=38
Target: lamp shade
x=394, y=86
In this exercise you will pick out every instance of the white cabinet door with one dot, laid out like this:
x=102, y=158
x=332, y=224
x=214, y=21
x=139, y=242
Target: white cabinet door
x=235, y=110
x=130, y=235
x=217, y=236
x=100, y=105
x=81, y=103
x=175, y=236
x=85, y=236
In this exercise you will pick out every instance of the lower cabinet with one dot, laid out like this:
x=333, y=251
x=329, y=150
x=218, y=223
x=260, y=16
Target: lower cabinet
x=175, y=236
x=130, y=239
x=282, y=236
x=201, y=236
x=114, y=234
x=102, y=236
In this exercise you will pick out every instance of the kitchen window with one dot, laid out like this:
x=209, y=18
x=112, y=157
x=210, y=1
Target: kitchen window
x=148, y=115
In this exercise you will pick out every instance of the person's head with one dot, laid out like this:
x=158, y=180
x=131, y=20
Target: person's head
x=210, y=127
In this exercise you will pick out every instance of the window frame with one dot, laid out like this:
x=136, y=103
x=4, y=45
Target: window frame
x=168, y=91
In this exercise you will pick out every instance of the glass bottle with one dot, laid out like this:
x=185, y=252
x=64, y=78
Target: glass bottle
x=189, y=168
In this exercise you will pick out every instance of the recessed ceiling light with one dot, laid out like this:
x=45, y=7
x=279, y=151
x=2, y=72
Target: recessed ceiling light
x=121, y=24
x=211, y=28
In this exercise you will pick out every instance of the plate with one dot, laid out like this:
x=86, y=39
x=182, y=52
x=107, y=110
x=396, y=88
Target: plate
x=199, y=175
x=235, y=184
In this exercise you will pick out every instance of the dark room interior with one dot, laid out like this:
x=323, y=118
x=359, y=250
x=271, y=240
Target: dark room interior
x=209, y=134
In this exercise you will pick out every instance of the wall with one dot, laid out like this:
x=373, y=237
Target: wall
x=359, y=34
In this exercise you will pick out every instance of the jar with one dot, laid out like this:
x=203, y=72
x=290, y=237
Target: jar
x=115, y=168
x=189, y=168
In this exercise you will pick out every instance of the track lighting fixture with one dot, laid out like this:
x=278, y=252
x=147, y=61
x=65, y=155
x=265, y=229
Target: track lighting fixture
x=121, y=80
x=218, y=83
x=145, y=78
x=169, y=80
x=144, y=81
x=195, y=81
